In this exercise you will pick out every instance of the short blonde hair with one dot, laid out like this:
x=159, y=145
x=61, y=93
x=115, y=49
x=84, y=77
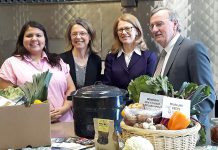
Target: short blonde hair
x=135, y=22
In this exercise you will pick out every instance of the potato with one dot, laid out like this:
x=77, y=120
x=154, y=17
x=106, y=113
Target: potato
x=141, y=118
x=130, y=121
x=149, y=120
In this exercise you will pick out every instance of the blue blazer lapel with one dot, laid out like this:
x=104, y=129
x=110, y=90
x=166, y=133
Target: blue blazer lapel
x=173, y=55
x=121, y=60
x=133, y=60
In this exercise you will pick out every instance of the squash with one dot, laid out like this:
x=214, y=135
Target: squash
x=178, y=121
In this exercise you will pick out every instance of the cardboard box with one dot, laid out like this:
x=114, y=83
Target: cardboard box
x=22, y=126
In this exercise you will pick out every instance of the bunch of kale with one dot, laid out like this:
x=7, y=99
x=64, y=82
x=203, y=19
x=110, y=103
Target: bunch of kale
x=162, y=86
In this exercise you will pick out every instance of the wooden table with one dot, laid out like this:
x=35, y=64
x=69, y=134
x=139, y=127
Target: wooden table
x=66, y=129
x=62, y=129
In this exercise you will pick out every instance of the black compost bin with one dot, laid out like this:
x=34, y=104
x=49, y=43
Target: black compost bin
x=97, y=101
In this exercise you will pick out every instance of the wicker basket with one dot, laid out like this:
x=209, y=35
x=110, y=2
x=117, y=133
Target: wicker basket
x=185, y=139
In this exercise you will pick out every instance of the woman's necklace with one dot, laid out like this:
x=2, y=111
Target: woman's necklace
x=79, y=60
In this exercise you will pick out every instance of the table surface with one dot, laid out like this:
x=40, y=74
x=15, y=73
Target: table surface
x=66, y=129
x=62, y=129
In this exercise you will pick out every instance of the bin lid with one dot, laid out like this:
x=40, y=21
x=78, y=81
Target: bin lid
x=99, y=90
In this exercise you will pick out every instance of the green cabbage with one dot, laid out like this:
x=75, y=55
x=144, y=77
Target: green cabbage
x=12, y=93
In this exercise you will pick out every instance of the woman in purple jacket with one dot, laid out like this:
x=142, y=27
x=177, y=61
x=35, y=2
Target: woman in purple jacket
x=129, y=57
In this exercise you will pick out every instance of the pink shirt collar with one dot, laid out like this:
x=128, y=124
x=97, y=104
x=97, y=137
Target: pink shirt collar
x=29, y=59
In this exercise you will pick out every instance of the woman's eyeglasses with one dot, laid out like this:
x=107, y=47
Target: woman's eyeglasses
x=126, y=29
x=81, y=34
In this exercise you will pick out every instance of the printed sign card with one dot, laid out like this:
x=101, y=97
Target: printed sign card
x=164, y=104
x=151, y=102
x=170, y=105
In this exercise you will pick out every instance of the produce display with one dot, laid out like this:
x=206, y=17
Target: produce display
x=37, y=89
x=31, y=92
x=162, y=86
x=137, y=116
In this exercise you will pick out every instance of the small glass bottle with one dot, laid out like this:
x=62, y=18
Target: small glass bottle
x=214, y=131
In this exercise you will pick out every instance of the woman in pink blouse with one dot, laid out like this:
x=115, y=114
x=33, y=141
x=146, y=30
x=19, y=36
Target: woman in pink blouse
x=32, y=56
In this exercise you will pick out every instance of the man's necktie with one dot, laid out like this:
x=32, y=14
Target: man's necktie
x=160, y=63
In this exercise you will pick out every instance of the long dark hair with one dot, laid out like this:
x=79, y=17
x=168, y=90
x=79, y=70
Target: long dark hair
x=21, y=51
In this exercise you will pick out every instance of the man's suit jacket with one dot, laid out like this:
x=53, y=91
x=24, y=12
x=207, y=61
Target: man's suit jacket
x=93, y=68
x=189, y=62
x=118, y=74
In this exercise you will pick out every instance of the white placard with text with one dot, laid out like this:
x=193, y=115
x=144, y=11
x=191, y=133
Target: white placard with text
x=170, y=105
x=151, y=101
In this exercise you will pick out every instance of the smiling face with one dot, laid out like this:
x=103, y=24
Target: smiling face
x=162, y=28
x=126, y=32
x=79, y=37
x=34, y=40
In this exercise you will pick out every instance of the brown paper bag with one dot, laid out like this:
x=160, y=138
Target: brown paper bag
x=105, y=136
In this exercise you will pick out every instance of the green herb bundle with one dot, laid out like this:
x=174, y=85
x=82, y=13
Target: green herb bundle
x=37, y=89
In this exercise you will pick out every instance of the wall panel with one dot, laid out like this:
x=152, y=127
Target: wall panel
x=199, y=20
x=56, y=17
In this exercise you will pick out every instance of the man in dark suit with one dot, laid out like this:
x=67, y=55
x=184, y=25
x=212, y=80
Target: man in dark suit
x=185, y=60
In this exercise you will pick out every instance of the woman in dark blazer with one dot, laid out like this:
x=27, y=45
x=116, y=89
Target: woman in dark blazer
x=85, y=64
x=129, y=57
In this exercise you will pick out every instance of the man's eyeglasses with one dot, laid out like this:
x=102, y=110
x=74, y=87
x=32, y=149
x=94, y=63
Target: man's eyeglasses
x=81, y=34
x=126, y=29
x=157, y=24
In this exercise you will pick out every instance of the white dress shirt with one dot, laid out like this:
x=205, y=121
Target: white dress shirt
x=128, y=56
x=169, y=49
